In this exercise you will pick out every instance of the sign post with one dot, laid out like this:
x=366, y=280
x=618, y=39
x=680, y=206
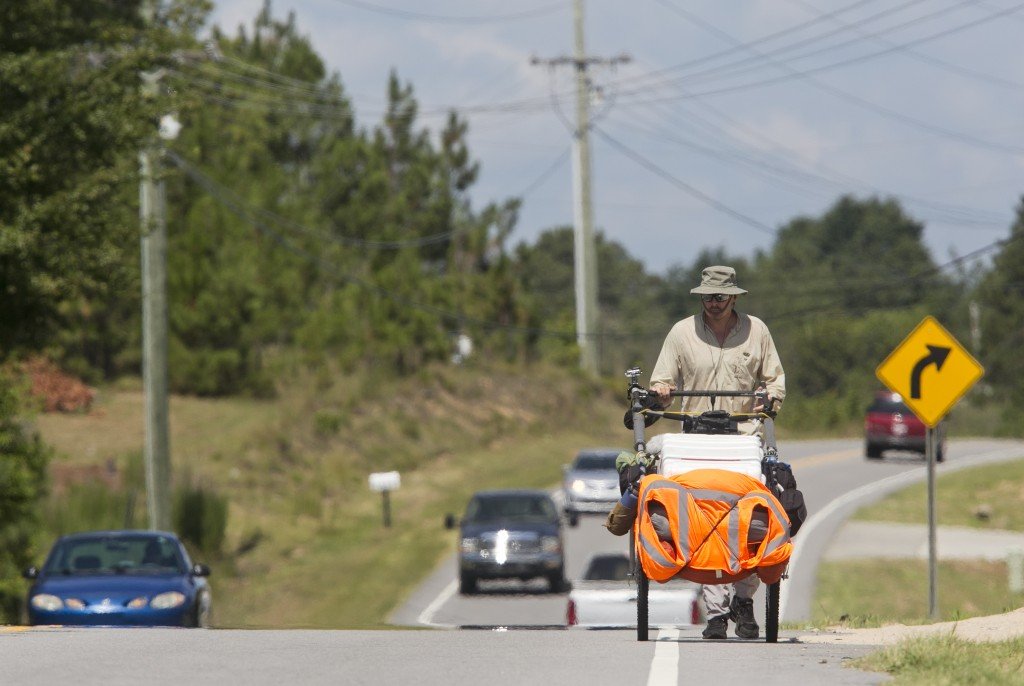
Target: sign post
x=931, y=371
x=385, y=482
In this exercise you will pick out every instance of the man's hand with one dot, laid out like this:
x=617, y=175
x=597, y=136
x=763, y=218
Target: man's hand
x=634, y=473
x=662, y=390
x=761, y=404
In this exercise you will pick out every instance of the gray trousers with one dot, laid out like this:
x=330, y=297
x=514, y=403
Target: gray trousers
x=716, y=597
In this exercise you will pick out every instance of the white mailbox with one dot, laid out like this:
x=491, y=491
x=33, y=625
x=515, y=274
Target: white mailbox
x=385, y=481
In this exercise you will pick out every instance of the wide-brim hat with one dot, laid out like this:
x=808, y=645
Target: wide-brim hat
x=718, y=279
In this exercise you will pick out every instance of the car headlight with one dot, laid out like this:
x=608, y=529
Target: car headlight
x=469, y=544
x=579, y=485
x=74, y=603
x=141, y=601
x=45, y=601
x=165, y=601
x=550, y=544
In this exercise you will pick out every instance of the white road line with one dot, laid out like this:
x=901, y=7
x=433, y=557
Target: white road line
x=665, y=665
x=427, y=616
x=811, y=524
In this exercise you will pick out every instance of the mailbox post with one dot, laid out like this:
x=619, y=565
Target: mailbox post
x=385, y=482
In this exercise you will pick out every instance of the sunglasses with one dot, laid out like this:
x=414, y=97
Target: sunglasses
x=717, y=297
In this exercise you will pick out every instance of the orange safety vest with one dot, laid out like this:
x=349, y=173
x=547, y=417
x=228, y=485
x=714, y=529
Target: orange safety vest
x=709, y=513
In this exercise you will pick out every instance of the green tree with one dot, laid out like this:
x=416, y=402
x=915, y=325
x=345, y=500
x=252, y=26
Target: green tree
x=71, y=125
x=240, y=278
x=23, y=481
x=1001, y=298
x=838, y=293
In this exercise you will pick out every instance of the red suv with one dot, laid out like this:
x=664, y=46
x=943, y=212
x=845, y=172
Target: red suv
x=890, y=425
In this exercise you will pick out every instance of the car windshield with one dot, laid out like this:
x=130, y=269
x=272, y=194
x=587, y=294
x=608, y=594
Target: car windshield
x=116, y=555
x=888, y=405
x=595, y=461
x=607, y=568
x=518, y=507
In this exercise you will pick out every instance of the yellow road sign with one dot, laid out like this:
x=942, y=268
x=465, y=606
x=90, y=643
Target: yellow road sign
x=931, y=370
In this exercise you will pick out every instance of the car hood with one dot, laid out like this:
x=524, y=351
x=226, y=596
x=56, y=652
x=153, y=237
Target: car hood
x=510, y=525
x=111, y=586
x=593, y=475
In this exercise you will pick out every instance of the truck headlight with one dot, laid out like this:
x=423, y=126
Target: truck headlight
x=469, y=544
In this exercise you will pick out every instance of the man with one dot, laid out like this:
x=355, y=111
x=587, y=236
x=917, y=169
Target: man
x=722, y=350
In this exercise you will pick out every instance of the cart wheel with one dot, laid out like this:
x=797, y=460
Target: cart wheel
x=771, y=616
x=643, y=586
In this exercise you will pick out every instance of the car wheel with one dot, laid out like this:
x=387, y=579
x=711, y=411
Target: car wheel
x=467, y=583
x=873, y=451
x=557, y=582
x=203, y=617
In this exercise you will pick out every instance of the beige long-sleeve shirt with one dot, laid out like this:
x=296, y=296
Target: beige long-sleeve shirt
x=692, y=359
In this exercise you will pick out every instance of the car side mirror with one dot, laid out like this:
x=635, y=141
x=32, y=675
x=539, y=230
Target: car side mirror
x=449, y=521
x=200, y=570
x=31, y=572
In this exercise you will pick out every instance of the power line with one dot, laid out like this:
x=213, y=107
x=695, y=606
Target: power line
x=928, y=59
x=691, y=190
x=453, y=19
x=738, y=46
x=830, y=177
x=759, y=59
x=792, y=73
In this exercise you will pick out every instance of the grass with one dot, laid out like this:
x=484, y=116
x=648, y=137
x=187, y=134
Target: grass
x=874, y=592
x=949, y=661
x=990, y=497
x=305, y=545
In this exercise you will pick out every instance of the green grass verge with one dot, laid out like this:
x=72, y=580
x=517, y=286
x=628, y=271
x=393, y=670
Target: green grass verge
x=305, y=545
x=949, y=661
x=874, y=592
x=990, y=497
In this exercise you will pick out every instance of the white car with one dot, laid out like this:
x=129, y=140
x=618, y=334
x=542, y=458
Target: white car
x=605, y=596
x=591, y=483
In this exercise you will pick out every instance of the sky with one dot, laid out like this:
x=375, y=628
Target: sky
x=729, y=120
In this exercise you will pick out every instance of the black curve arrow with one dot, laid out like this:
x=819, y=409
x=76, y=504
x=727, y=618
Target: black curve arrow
x=936, y=355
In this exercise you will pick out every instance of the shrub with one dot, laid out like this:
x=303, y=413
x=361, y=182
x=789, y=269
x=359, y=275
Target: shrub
x=201, y=517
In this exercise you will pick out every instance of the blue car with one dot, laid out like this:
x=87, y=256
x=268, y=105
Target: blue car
x=119, y=578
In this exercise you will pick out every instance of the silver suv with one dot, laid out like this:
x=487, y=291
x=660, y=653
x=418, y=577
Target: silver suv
x=591, y=483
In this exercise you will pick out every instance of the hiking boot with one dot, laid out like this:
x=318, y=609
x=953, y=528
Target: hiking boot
x=716, y=627
x=742, y=612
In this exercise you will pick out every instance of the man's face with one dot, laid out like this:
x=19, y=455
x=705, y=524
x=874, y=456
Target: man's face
x=715, y=309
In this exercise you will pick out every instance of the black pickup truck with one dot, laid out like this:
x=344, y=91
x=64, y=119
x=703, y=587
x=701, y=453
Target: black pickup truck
x=510, y=534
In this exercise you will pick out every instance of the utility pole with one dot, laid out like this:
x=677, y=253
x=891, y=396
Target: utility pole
x=153, y=243
x=584, y=250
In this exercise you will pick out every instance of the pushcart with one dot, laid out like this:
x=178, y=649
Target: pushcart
x=715, y=428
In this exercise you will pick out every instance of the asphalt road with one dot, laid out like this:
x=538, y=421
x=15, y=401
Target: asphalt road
x=518, y=633
x=834, y=476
